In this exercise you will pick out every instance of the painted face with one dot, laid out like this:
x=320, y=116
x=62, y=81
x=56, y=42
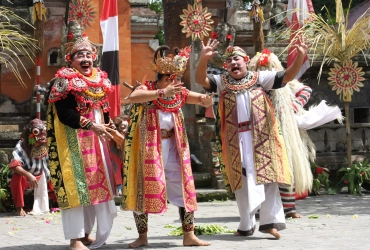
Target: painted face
x=37, y=132
x=83, y=62
x=236, y=66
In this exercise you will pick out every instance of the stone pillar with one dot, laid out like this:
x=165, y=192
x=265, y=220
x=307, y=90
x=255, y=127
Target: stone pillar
x=144, y=26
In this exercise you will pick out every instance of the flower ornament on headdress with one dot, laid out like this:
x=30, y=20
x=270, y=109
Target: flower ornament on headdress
x=235, y=51
x=170, y=64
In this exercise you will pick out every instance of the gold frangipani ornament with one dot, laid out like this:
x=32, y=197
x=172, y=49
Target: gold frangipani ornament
x=346, y=78
x=196, y=21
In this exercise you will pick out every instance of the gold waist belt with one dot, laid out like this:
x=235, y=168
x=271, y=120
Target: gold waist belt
x=165, y=134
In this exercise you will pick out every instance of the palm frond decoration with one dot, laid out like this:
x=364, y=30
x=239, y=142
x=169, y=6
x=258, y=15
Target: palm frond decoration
x=336, y=42
x=332, y=41
x=15, y=44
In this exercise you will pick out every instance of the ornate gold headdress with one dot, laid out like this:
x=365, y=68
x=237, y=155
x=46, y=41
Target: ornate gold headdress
x=170, y=64
x=75, y=41
x=235, y=51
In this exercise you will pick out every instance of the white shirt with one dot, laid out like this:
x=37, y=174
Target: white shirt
x=265, y=79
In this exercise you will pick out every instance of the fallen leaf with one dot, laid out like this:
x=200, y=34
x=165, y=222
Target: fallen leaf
x=313, y=216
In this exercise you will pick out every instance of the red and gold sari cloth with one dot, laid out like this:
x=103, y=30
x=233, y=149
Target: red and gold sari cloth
x=79, y=170
x=270, y=158
x=80, y=165
x=144, y=186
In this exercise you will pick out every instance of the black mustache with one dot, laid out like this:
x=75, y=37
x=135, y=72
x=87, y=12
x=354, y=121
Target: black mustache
x=84, y=62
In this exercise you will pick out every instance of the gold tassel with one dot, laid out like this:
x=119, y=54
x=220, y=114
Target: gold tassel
x=256, y=15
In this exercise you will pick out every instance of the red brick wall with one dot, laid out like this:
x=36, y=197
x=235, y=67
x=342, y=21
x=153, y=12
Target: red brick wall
x=142, y=55
x=134, y=58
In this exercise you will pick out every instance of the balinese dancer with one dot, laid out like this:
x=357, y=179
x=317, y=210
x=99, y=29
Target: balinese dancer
x=301, y=150
x=252, y=153
x=157, y=160
x=29, y=165
x=80, y=165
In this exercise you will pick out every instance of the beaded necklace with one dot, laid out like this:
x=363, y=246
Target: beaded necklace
x=240, y=85
x=170, y=103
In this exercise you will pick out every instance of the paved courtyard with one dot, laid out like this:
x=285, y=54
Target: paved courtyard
x=329, y=222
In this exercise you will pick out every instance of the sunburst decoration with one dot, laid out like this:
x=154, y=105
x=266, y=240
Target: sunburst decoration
x=345, y=79
x=83, y=11
x=196, y=21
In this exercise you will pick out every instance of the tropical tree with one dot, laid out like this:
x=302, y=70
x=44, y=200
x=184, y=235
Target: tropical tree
x=157, y=7
x=15, y=44
x=335, y=44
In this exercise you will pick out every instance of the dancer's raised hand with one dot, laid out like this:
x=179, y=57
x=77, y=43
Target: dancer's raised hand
x=208, y=51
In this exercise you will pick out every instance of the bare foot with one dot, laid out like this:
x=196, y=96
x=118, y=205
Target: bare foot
x=293, y=215
x=76, y=244
x=20, y=212
x=141, y=241
x=245, y=233
x=274, y=232
x=87, y=240
x=191, y=240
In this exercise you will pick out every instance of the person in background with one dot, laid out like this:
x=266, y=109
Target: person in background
x=29, y=166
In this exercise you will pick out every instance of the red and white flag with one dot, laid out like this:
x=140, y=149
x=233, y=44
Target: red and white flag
x=109, y=62
x=300, y=10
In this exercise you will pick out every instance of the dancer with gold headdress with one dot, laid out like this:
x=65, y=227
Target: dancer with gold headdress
x=252, y=153
x=157, y=160
x=80, y=167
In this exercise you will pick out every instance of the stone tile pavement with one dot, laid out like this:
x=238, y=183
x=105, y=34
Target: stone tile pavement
x=343, y=223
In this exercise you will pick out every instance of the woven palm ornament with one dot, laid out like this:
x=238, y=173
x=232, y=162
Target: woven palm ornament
x=345, y=79
x=196, y=21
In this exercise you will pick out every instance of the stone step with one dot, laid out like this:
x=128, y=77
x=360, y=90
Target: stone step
x=202, y=180
x=8, y=119
x=5, y=144
x=7, y=135
x=5, y=128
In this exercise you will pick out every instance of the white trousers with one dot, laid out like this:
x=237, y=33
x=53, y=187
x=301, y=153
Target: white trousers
x=41, y=198
x=252, y=197
x=80, y=220
x=172, y=170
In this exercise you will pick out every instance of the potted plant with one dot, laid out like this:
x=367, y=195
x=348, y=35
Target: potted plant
x=354, y=177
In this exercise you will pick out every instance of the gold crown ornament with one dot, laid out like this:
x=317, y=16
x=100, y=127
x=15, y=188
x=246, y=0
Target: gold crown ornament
x=81, y=44
x=235, y=51
x=170, y=64
x=74, y=40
